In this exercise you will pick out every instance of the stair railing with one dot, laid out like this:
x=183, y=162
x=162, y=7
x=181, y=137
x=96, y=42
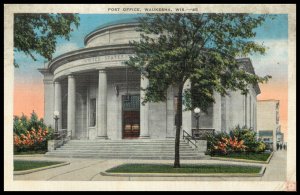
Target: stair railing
x=62, y=135
x=189, y=138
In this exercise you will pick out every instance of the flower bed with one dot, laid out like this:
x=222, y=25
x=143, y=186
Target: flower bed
x=238, y=141
x=30, y=134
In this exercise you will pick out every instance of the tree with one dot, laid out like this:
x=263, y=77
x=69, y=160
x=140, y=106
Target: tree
x=201, y=48
x=37, y=33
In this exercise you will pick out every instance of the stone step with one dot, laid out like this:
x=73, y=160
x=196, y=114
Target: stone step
x=146, y=144
x=154, y=156
x=128, y=141
x=150, y=156
x=125, y=149
x=128, y=147
x=140, y=144
x=124, y=152
x=126, y=157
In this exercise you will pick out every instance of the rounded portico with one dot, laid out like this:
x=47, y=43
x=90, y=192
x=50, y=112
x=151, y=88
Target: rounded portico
x=96, y=95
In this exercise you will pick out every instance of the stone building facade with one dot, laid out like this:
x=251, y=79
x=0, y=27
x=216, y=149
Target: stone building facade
x=268, y=121
x=97, y=96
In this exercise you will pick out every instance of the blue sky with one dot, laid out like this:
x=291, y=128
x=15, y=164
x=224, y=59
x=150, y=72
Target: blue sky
x=274, y=34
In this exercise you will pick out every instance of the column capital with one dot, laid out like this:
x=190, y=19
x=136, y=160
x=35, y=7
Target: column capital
x=102, y=70
x=70, y=76
x=56, y=82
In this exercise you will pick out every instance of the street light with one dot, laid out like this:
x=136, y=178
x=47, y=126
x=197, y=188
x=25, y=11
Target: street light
x=197, y=116
x=56, y=117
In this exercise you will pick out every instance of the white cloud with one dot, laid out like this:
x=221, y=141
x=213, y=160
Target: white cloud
x=65, y=47
x=274, y=62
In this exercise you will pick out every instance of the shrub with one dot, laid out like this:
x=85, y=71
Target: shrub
x=261, y=147
x=30, y=134
x=248, y=135
x=238, y=140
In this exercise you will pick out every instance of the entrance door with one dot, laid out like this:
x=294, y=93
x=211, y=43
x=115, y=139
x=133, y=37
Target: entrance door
x=131, y=116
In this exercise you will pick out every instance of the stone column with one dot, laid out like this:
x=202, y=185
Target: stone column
x=217, y=112
x=102, y=105
x=223, y=114
x=48, y=96
x=58, y=102
x=71, y=105
x=170, y=113
x=144, y=110
x=186, y=115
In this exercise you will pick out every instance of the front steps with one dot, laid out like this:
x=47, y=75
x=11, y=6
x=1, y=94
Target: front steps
x=126, y=149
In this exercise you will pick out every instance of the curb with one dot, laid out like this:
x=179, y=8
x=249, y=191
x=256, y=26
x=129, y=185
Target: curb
x=40, y=169
x=244, y=160
x=260, y=174
x=28, y=155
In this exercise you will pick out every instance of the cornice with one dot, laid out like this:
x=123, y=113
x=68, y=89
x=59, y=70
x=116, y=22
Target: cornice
x=88, y=53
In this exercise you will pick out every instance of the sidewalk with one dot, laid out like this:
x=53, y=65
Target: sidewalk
x=89, y=170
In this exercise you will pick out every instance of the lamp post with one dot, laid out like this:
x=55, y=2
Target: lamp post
x=56, y=117
x=197, y=116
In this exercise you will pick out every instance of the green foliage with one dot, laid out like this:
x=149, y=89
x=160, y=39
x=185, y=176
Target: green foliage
x=30, y=133
x=247, y=156
x=186, y=168
x=243, y=135
x=260, y=147
x=201, y=48
x=212, y=140
x=37, y=33
x=21, y=165
x=250, y=138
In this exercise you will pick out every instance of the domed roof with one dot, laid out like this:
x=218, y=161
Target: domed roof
x=113, y=23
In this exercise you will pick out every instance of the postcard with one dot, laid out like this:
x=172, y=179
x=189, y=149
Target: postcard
x=153, y=97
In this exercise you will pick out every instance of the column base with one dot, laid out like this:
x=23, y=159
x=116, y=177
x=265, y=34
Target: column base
x=144, y=137
x=101, y=137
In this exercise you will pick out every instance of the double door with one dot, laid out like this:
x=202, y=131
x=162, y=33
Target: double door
x=130, y=116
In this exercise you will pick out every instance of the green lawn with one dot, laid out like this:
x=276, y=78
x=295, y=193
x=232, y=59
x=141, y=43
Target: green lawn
x=186, y=168
x=31, y=152
x=21, y=165
x=250, y=156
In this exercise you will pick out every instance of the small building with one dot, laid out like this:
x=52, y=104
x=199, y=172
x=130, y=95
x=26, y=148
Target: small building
x=98, y=97
x=268, y=120
x=280, y=137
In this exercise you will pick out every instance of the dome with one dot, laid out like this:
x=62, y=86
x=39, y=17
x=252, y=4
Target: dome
x=114, y=24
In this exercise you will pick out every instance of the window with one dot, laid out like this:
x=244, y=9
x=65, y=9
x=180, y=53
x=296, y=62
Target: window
x=92, y=112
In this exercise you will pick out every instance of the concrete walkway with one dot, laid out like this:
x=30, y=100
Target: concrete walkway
x=89, y=170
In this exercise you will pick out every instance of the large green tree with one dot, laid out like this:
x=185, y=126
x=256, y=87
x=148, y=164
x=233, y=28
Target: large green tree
x=202, y=48
x=37, y=33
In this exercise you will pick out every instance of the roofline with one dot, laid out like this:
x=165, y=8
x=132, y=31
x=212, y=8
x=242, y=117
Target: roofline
x=84, y=51
x=105, y=28
x=246, y=59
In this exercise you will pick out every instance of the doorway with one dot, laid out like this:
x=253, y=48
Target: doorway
x=130, y=116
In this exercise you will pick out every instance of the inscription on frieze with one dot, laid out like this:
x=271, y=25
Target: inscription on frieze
x=107, y=58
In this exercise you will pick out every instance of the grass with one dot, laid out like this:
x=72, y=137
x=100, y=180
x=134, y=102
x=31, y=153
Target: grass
x=249, y=156
x=21, y=165
x=30, y=152
x=186, y=168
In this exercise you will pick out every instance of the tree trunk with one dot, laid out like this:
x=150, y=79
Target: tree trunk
x=178, y=126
